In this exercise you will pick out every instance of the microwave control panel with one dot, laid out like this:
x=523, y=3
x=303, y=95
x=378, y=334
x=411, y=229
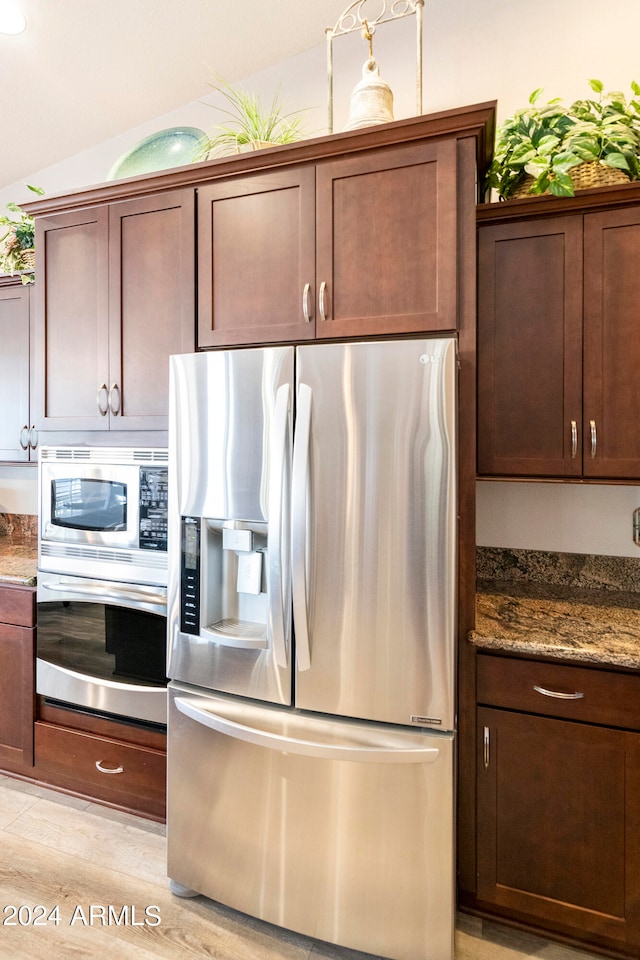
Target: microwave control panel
x=153, y=506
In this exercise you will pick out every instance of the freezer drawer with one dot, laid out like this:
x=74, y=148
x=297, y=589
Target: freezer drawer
x=337, y=829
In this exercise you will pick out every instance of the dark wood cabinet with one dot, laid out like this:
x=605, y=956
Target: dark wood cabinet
x=559, y=341
x=115, y=762
x=558, y=833
x=17, y=677
x=18, y=438
x=256, y=257
x=114, y=299
x=612, y=343
x=530, y=348
x=356, y=246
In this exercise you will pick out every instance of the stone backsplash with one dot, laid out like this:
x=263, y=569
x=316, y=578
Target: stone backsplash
x=583, y=571
x=21, y=525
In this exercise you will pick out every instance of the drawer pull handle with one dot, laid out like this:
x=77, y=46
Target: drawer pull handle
x=108, y=769
x=594, y=438
x=574, y=439
x=558, y=694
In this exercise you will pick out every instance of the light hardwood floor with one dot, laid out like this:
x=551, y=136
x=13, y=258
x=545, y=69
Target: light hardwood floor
x=74, y=860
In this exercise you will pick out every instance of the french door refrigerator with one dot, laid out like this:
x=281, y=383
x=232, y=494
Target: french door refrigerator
x=311, y=618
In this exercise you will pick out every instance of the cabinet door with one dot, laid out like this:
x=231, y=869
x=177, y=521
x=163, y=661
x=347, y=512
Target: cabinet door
x=256, y=259
x=612, y=344
x=559, y=824
x=386, y=248
x=530, y=348
x=14, y=372
x=71, y=321
x=17, y=696
x=151, y=304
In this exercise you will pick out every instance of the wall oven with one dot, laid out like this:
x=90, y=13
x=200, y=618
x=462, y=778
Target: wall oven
x=102, y=579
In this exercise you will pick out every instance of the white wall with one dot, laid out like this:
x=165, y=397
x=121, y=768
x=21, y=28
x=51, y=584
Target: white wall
x=569, y=517
x=496, y=50
x=18, y=489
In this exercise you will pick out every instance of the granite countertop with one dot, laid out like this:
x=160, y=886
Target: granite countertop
x=18, y=549
x=585, y=625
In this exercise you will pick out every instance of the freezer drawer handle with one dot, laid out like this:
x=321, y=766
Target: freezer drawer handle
x=305, y=748
x=558, y=694
x=300, y=485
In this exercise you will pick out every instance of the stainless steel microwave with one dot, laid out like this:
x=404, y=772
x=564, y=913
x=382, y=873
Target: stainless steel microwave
x=103, y=512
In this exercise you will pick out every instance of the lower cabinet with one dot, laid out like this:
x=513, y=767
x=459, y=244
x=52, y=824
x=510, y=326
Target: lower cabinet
x=558, y=832
x=106, y=760
x=17, y=677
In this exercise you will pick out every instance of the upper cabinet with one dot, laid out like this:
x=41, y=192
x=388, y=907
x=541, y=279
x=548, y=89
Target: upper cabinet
x=18, y=438
x=114, y=299
x=559, y=338
x=357, y=246
x=363, y=233
x=256, y=258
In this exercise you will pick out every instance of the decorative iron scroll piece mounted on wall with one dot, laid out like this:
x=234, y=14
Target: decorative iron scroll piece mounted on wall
x=355, y=18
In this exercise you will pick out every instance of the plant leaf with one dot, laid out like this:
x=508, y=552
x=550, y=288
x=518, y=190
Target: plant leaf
x=617, y=160
x=596, y=85
x=561, y=185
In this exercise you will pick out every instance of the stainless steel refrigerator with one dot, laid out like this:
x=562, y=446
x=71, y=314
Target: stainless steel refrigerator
x=312, y=622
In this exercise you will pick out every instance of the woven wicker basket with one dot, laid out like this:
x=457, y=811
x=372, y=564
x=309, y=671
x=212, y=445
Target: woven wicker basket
x=29, y=259
x=584, y=177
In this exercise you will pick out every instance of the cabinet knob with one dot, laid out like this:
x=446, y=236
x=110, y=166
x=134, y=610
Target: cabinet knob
x=103, y=394
x=114, y=399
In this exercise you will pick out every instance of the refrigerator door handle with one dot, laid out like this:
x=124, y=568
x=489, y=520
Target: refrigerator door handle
x=277, y=530
x=305, y=748
x=300, y=483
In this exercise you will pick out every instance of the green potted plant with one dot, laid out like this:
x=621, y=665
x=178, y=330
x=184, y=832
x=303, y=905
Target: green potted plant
x=251, y=126
x=17, y=251
x=556, y=149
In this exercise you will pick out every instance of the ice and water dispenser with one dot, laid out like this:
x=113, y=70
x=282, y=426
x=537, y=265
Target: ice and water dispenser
x=224, y=580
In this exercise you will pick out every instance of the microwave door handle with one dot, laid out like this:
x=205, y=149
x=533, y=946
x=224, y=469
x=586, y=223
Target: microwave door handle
x=299, y=493
x=276, y=574
x=112, y=593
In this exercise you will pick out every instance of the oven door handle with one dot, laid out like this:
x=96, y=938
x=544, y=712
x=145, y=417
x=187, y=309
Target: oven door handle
x=112, y=593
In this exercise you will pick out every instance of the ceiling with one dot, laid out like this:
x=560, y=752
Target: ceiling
x=87, y=70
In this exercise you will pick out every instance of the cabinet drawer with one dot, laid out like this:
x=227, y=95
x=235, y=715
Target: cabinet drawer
x=559, y=690
x=81, y=761
x=18, y=605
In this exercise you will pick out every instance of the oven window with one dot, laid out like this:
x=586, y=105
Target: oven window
x=86, y=504
x=103, y=642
